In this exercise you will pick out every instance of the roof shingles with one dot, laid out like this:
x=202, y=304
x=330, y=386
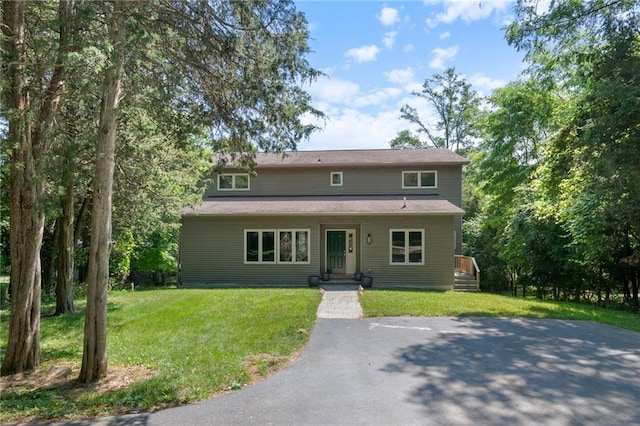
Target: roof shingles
x=340, y=205
x=362, y=157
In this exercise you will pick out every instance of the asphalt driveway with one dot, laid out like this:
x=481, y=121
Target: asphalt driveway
x=438, y=371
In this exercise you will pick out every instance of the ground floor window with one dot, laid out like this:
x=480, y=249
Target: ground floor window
x=260, y=246
x=277, y=246
x=407, y=246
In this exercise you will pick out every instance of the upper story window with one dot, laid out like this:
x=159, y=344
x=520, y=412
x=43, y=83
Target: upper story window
x=420, y=179
x=336, y=178
x=233, y=182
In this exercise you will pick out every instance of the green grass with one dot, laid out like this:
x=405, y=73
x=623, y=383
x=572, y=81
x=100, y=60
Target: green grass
x=196, y=341
x=432, y=303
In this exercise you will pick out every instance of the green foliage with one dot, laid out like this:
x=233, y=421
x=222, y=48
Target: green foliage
x=120, y=259
x=405, y=140
x=558, y=166
x=158, y=252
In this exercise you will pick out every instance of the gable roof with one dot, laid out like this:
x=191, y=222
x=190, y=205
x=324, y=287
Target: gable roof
x=356, y=157
x=325, y=205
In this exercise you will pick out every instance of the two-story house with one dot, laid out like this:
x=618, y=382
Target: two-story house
x=394, y=215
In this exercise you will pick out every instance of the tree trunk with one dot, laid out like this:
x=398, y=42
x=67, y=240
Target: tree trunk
x=66, y=245
x=26, y=222
x=81, y=232
x=82, y=217
x=29, y=137
x=66, y=230
x=48, y=255
x=26, y=229
x=94, y=357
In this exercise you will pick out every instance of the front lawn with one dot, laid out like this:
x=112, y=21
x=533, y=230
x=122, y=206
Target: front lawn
x=377, y=302
x=165, y=347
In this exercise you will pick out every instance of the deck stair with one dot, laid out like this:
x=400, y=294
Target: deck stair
x=464, y=282
x=466, y=274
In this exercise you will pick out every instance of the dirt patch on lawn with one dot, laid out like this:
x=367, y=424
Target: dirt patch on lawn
x=63, y=378
x=263, y=365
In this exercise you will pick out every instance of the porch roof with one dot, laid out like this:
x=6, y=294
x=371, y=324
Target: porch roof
x=325, y=205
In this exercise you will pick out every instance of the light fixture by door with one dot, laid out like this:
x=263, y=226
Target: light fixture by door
x=368, y=238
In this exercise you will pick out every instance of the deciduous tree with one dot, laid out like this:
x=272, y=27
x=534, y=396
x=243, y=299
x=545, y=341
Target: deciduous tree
x=456, y=107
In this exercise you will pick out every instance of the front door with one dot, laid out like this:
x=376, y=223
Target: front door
x=341, y=251
x=336, y=251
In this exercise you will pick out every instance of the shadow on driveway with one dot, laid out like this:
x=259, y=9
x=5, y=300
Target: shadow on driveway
x=515, y=371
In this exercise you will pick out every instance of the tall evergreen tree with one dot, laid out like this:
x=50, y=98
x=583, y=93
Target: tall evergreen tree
x=32, y=92
x=234, y=68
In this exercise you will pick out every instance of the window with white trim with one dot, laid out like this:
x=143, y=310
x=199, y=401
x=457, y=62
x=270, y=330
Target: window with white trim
x=233, y=182
x=407, y=247
x=336, y=178
x=420, y=179
x=276, y=246
x=259, y=246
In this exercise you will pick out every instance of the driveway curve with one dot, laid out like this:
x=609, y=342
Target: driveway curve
x=437, y=371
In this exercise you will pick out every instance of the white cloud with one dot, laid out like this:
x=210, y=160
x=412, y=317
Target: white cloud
x=333, y=90
x=378, y=97
x=351, y=124
x=484, y=85
x=389, y=39
x=445, y=35
x=388, y=16
x=357, y=130
x=407, y=48
x=364, y=53
x=332, y=94
x=440, y=56
x=400, y=76
x=468, y=11
x=413, y=86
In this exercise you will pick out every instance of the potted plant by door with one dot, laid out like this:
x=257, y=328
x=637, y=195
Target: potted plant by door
x=314, y=280
x=326, y=275
x=367, y=281
x=357, y=276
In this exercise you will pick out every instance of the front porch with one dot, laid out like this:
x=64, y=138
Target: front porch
x=466, y=276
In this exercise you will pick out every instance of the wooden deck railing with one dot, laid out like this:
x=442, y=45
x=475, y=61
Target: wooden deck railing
x=467, y=265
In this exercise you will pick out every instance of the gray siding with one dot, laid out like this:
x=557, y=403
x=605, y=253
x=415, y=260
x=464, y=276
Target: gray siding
x=212, y=251
x=356, y=181
x=436, y=273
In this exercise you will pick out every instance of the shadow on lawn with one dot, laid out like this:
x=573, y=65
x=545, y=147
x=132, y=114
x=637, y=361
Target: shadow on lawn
x=480, y=370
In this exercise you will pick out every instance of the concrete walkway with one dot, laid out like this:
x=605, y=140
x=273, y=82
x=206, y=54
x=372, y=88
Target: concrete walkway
x=340, y=301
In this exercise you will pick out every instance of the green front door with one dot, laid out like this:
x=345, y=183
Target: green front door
x=336, y=251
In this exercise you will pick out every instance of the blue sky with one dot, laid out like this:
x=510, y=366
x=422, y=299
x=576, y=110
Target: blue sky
x=374, y=54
